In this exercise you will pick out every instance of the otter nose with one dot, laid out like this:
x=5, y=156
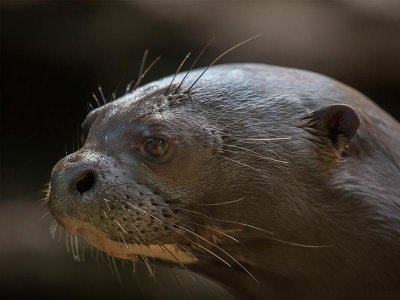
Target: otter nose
x=84, y=182
x=73, y=176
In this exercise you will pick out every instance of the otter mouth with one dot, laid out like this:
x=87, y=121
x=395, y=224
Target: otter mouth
x=124, y=250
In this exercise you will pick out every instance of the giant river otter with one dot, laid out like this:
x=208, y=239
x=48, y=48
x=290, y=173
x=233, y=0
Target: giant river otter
x=277, y=183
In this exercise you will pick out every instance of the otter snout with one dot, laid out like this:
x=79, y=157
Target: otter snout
x=74, y=179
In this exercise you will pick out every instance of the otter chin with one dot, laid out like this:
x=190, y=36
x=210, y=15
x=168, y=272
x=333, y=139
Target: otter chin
x=274, y=182
x=123, y=250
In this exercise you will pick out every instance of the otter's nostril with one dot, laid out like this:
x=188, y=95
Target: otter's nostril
x=85, y=182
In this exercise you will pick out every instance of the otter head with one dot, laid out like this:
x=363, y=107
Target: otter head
x=184, y=174
x=142, y=162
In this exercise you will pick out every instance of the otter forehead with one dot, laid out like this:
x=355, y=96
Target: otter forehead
x=220, y=83
x=252, y=84
x=248, y=84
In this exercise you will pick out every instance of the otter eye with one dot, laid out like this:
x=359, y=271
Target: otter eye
x=155, y=147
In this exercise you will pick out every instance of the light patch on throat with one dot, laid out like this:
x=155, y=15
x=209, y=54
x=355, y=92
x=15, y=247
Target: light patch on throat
x=98, y=239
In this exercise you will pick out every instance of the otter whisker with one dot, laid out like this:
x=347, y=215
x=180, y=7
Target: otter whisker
x=263, y=139
x=44, y=215
x=116, y=270
x=66, y=241
x=170, y=226
x=299, y=245
x=226, y=221
x=102, y=95
x=91, y=250
x=44, y=210
x=177, y=71
x=96, y=100
x=134, y=264
x=45, y=189
x=138, y=231
x=193, y=64
x=114, y=186
x=154, y=267
x=257, y=228
x=248, y=139
x=212, y=253
x=51, y=228
x=46, y=192
x=77, y=248
x=254, y=153
x=162, y=247
x=142, y=64
x=54, y=230
x=120, y=226
x=43, y=202
x=102, y=254
x=129, y=86
x=71, y=243
x=147, y=263
x=61, y=232
x=106, y=201
x=219, y=203
x=185, y=249
x=124, y=240
x=240, y=253
x=52, y=224
x=213, y=229
x=144, y=259
x=109, y=264
x=219, y=248
x=241, y=163
x=145, y=72
x=218, y=58
x=89, y=107
x=150, y=215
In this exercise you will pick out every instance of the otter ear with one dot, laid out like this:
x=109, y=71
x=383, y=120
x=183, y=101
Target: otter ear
x=339, y=122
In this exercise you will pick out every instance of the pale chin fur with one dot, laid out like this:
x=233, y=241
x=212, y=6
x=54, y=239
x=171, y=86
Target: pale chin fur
x=99, y=239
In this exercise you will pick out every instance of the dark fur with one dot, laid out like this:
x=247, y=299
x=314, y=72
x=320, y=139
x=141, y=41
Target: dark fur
x=331, y=189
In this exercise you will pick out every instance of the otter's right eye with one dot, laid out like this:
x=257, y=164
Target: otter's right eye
x=155, y=147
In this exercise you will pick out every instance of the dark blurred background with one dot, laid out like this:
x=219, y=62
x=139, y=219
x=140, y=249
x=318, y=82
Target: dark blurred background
x=55, y=54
